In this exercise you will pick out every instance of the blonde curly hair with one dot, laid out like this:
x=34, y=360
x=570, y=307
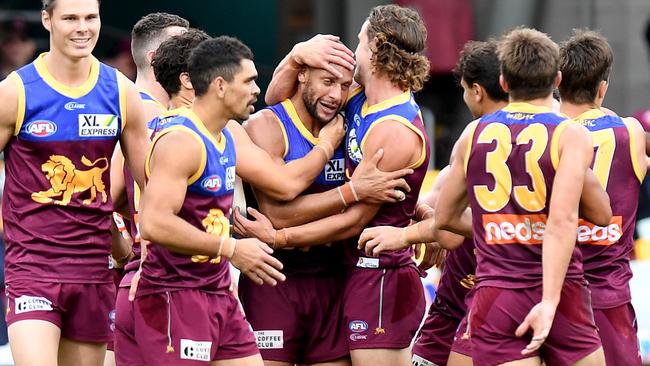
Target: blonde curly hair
x=398, y=37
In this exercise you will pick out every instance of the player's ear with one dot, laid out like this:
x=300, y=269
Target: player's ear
x=184, y=78
x=219, y=84
x=303, y=75
x=46, y=20
x=558, y=79
x=602, y=90
x=149, y=56
x=503, y=84
x=478, y=92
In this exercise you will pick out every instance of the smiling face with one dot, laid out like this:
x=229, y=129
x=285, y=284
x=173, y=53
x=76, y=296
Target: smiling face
x=74, y=27
x=241, y=93
x=323, y=94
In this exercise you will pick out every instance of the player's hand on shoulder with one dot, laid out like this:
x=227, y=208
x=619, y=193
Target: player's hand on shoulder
x=321, y=51
x=260, y=228
x=253, y=258
x=333, y=132
x=375, y=186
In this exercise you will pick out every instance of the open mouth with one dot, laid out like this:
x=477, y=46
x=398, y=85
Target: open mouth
x=80, y=42
x=329, y=108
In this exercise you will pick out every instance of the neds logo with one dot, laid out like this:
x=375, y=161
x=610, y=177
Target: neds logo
x=41, y=128
x=211, y=183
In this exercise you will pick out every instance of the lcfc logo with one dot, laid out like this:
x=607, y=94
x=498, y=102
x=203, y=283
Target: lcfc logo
x=211, y=183
x=41, y=128
x=71, y=106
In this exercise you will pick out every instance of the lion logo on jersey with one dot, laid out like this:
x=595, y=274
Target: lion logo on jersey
x=216, y=223
x=354, y=152
x=66, y=180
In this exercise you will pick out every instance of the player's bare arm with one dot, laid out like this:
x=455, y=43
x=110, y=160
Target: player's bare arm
x=451, y=212
x=376, y=240
x=174, y=159
x=321, y=52
x=370, y=184
x=594, y=202
x=134, y=140
x=9, y=96
x=575, y=155
x=283, y=182
x=353, y=220
x=118, y=189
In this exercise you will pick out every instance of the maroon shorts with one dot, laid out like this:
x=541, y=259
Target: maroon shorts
x=382, y=308
x=81, y=311
x=433, y=343
x=126, y=347
x=497, y=312
x=190, y=327
x=298, y=321
x=617, y=328
x=462, y=344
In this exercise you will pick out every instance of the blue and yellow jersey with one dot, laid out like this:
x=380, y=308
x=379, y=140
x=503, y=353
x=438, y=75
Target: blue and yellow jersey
x=207, y=206
x=56, y=204
x=298, y=142
x=146, y=97
x=361, y=119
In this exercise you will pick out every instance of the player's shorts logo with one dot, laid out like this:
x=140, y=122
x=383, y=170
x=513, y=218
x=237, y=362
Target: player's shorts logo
x=215, y=223
x=194, y=350
x=358, y=326
x=66, y=180
x=269, y=339
x=41, y=128
x=25, y=304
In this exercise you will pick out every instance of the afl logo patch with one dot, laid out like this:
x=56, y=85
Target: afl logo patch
x=41, y=128
x=211, y=183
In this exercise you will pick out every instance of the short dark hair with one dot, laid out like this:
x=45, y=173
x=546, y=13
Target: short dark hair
x=479, y=63
x=585, y=60
x=172, y=56
x=216, y=57
x=48, y=5
x=148, y=33
x=529, y=63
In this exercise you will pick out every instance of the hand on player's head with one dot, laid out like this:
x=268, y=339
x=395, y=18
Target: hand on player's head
x=323, y=51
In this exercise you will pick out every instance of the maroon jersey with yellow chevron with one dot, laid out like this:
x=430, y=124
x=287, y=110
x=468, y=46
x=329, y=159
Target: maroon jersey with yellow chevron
x=606, y=250
x=510, y=164
x=361, y=119
x=57, y=207
x=207, y=206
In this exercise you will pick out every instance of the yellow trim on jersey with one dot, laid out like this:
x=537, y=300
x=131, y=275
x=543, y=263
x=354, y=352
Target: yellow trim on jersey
x=155, y=101
x=354, y=92
x=220, y=145
x=638, y=171
x=590, y=114
x=471, y=128
x=526, y=108
x=70, y=92
x=407, y=123
x=390, y=102
x=284, y=136
x=122, y=92
x=555, y=142
x=204, y=154
x=293, y=115
x=20, y=92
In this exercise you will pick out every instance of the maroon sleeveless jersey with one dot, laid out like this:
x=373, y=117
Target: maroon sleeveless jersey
x=606, y=250
x=360, y=120
x=510, y=165
x=57, y=207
